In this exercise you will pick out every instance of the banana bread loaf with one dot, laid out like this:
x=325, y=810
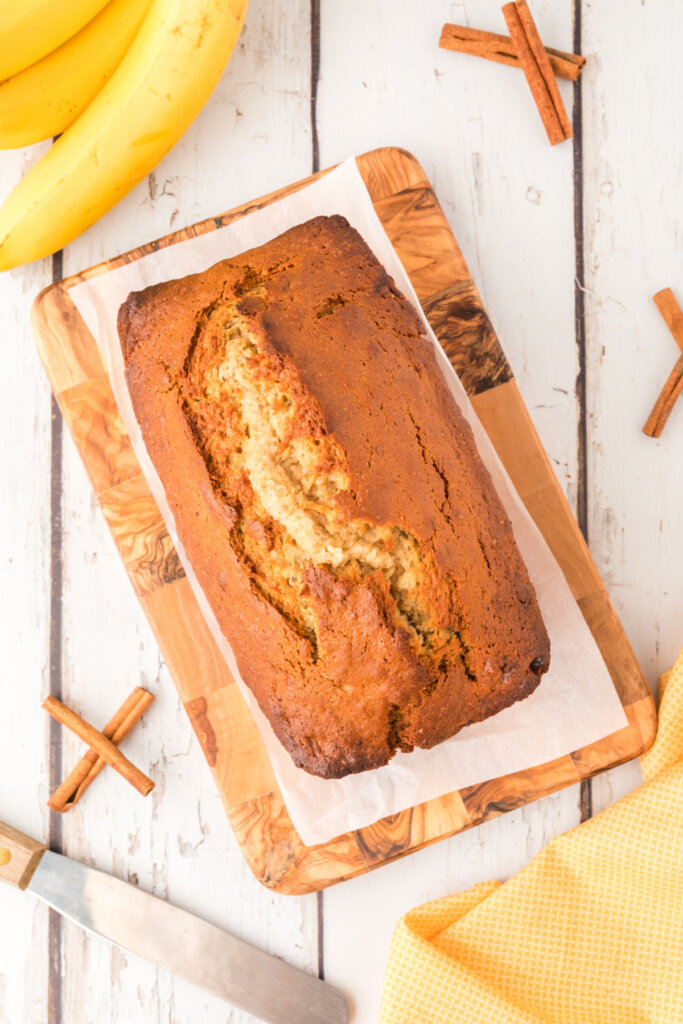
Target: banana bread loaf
x=330, y=498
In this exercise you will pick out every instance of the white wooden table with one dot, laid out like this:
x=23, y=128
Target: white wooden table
x=567, y=246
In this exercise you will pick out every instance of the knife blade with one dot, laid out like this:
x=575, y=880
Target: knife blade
x=169, y=937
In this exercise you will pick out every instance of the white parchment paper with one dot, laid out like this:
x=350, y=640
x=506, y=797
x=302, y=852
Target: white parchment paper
x=575, y=704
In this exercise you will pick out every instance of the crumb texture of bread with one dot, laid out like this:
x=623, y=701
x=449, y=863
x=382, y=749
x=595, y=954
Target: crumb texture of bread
x=331, y=500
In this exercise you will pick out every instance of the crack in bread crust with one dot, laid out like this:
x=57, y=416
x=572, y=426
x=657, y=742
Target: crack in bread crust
x=272, y=459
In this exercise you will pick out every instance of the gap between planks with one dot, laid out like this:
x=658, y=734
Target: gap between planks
x=56, y=829
x=586, y=788
x=315, y=167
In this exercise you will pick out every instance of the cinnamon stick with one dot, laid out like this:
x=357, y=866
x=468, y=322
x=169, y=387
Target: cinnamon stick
x=539, y=73
x=99, y=743
x=91, y=764
x=501, y=49
x=672, y=315
x=671, y=312
x=666, y=401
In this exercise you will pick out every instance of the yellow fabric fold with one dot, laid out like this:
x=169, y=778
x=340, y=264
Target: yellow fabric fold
x=590, y=932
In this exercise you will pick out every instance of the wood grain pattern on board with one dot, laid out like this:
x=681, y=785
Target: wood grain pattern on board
x=232, y=745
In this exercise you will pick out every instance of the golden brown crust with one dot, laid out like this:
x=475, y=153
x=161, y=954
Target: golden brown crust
x=347, y=660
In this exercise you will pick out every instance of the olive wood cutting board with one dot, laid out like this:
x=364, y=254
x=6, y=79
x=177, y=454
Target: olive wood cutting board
x=418, y=229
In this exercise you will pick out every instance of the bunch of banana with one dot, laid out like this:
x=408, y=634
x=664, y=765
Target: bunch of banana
x=121, y=80
x=46, y=97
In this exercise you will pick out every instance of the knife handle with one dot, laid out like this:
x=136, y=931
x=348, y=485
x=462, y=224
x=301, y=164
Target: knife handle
x=19, y=856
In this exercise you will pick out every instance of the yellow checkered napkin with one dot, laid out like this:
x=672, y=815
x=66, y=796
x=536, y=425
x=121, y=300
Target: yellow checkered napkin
x=590, y=932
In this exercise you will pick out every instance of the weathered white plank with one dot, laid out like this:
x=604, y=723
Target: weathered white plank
x=178, y=842
x=252, y=137
x=509, y=198
x=632, y=250
x=632, y=233
x=361, y=914
x=507, y=194
x=24, y=614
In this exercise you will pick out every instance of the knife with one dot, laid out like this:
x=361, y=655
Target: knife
x=169, y=937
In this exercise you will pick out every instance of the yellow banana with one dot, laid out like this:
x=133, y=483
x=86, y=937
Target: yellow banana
x=45, y=98
x=157, y=90
x=31, y=28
